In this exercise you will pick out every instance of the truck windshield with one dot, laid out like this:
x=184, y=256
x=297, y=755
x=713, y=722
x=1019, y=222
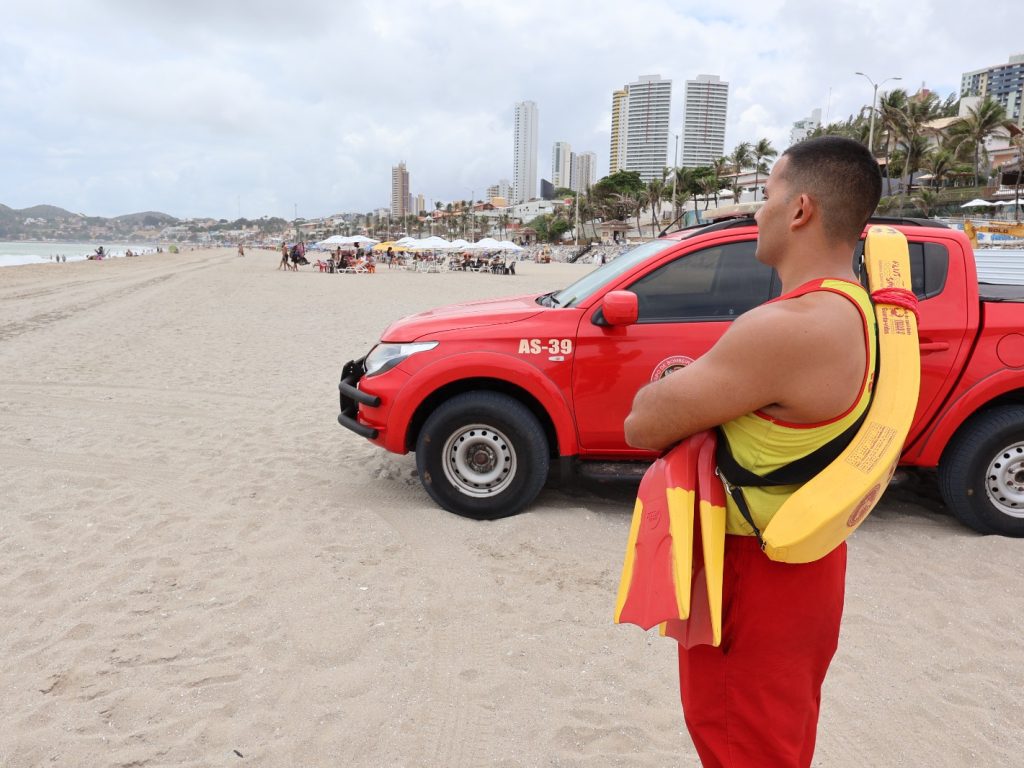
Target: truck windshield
x=586, y=286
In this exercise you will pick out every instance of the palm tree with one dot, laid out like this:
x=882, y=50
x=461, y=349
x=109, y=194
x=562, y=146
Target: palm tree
x=762, y=151
x=977, y=125
x=741, y=157
x=891, y=109
x=926, y=200
x=655, y=192
x=911, y=130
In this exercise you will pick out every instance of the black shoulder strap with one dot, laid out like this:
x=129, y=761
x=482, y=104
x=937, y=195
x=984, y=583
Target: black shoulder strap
x=796, y=472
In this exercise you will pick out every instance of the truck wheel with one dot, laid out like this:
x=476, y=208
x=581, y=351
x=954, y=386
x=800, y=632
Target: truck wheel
x=482, y=455
x=981, y=475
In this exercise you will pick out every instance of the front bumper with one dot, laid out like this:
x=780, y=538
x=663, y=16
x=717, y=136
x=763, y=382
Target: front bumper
x=351, y=397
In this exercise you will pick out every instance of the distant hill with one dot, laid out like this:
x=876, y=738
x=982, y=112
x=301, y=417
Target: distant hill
x=48, y=212
x=53, y=213
x=147, y=219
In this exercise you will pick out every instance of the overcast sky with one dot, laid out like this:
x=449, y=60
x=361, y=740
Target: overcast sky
x=216, y=108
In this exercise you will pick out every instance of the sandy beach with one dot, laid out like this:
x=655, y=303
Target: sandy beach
x=199, y=567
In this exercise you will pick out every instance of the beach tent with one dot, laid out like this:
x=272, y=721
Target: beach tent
x=333, y=240
x=460, y=243
x=976, y=203
x=405, y=240
x=508, y=245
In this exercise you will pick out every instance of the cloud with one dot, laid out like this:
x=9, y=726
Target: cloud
x=200, y=108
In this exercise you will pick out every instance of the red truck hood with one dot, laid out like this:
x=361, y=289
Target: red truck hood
x=461, y=316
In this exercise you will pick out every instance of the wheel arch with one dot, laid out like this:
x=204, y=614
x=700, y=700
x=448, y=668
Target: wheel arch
x=482, y=384
x=1002, y=388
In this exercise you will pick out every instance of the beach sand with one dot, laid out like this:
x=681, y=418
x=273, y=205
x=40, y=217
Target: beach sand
x=199, y=567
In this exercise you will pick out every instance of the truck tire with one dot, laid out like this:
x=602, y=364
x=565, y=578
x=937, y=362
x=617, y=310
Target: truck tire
x=981, y=475
x=482, y=455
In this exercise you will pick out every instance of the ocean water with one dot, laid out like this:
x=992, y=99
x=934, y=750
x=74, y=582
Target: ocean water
x=18, y=253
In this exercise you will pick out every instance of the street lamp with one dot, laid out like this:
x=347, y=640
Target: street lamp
x=874, y=98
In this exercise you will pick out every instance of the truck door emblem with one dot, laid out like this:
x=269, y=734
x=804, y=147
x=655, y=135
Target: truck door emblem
x=670, y=365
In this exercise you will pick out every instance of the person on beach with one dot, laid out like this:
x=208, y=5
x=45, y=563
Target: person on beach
x=784, y=379
x=241, y=250
x=284, y=257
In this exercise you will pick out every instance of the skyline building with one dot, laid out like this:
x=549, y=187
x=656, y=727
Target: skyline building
x=561, y=164
x=524, y=156
x=399, y=190
x=804, y=128
x=421, y=205
x=648, y=106
x=617, y=150
x=584, y=171
x=502, y=189
x=704, y=114
x=1003, y=82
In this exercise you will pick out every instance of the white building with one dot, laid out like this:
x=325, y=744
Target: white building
x=648, y=104
x=531, y=210
x=1002, y=82
x=524, y=157
x=804, y=128
x=561, y=164
x=707, y=100
x=399, y=190
x=584, y=171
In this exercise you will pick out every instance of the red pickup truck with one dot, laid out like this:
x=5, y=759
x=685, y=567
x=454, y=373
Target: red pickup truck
x=490, y=394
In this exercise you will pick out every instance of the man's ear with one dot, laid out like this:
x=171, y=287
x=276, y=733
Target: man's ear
x=804, y=210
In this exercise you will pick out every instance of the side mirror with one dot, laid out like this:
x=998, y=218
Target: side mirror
x=620, y=308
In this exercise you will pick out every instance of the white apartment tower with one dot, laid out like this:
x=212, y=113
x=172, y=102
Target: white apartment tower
x=804, y=128
x=707, y=99
x=648, y=103
x=399, y=191
x=584, y=171
x=617, y=153
x=524, y=158
x=561, y=164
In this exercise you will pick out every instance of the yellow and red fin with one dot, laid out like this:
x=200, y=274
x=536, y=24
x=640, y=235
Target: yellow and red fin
x=656, y=574
x=704, y=624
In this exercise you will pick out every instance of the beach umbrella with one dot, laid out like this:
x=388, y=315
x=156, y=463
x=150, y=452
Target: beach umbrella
x=333, y=240
x=430, y=243
x=459, y=243
x=488, y=243
x=508, y=245
x=976, y=203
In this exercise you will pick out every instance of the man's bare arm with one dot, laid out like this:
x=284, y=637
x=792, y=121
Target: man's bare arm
x=764, y=359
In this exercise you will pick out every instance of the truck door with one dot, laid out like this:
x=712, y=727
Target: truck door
x=685, y=306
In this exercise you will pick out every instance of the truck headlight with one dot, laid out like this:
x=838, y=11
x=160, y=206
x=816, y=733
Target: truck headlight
x=384, y=357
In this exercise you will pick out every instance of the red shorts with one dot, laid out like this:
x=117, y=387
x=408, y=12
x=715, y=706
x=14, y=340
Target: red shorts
x=754, y=700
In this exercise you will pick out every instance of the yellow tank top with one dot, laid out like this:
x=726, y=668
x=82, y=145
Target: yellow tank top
x=762, y=443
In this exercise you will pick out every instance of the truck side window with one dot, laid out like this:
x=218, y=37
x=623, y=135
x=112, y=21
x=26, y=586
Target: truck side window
x=716, y=283
x=929, y=265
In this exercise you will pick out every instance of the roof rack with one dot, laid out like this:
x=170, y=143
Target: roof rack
x=907, y=221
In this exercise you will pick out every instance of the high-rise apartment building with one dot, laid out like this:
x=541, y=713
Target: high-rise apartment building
x=502, y=190
x=584, y=171
x=707, y=100
x=617, y=153
x=648, y=103
x=561, y=164
x=421, y=205
x=524, y=157
x=1003, y=82
x=804, y=128
x=399, y=191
